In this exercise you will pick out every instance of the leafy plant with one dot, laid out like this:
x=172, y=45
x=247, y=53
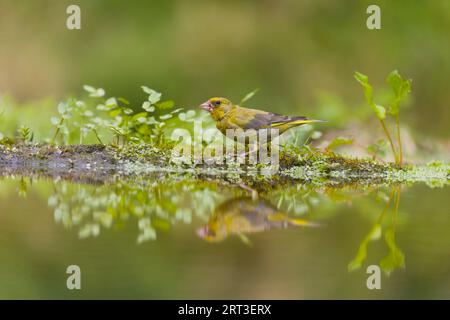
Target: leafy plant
x=25, y=134
x=337, y=142
x=113, y=116
x=377, y=149
x=401, y=88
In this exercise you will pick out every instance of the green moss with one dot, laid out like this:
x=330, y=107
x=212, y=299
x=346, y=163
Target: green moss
x=320, y=169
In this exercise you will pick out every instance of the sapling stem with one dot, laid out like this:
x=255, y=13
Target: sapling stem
x=57, y=131
x=97, y=136
x=390, y=140
x=399, y=139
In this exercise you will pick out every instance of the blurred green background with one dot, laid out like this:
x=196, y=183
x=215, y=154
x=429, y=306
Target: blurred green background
x=301, y=54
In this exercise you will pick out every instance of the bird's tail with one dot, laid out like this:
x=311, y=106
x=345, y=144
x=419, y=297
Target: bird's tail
x=302, y=120
x=296, y=121
x=280, y=216
x=302, y=223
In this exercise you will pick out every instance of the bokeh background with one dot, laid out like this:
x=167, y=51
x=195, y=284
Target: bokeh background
x=301, y=54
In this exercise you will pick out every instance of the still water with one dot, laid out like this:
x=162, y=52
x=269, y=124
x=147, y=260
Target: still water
x=175, y=238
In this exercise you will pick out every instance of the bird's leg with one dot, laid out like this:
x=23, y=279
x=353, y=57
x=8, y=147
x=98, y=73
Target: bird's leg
x=248, y=154
x=254, y=193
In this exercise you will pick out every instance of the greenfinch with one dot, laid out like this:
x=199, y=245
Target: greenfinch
x=245, y=215
x=230, y=116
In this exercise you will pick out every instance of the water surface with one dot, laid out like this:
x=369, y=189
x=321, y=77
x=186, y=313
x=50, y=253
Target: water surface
x=175, y=238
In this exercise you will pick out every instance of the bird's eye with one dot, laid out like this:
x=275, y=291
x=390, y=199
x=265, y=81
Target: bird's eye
x=217, y=102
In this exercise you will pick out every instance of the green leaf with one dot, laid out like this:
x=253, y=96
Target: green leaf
x=166, y=116
x=123, y=100
x=177, y=110
x=141, y=115
x=248, y=96
x=89, y=89
x=378, y=148
x=401, y=88
x=62, y=108
x=111, y=103
x=115, y=113
x=128, y=111
x=374, y=234
x=380, y=111
x=396, y=258
x=117, y=131
x=98, y=94
x=55, y=120
x=93, y=92
x=169, y=104
x=337, y=142
x=147, y=106
x=187, y=116
x=153, y=96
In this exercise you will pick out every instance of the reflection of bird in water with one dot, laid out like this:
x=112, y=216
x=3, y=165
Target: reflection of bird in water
x=243, y=215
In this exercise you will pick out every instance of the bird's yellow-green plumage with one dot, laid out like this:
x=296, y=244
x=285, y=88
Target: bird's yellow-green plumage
x=245, y=215
x=230, y=116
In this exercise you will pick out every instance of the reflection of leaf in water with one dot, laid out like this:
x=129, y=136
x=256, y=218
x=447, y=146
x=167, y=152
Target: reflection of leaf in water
x=155, y=205
x=246, y=240
x=395, y=259
x=361, y=256
x=89, y=230
x=147, y=232
x=23, y=188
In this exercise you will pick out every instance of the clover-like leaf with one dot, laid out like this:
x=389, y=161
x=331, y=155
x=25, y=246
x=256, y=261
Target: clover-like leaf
x=111, y=103
x=147, y=106
x=93, y=92
x=89, y=89
x=62, y=108
x=153, y=96
x=55, y=120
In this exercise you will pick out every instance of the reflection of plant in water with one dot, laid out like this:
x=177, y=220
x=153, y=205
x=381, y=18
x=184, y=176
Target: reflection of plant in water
x=22, y=189
x=395, y=258
x=304, y=198
x=153, y=204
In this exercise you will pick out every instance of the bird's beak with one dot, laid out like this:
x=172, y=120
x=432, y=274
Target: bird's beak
x=202, y=232
x=206, y=106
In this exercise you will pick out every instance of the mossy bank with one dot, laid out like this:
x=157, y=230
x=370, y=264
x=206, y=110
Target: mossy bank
x=99, y=163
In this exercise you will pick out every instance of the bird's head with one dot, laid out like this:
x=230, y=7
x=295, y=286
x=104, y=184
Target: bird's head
x=209, y=234
x=217, y=107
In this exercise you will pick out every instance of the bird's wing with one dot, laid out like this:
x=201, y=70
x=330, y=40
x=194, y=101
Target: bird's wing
x=257, y=119
x=246, y=118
